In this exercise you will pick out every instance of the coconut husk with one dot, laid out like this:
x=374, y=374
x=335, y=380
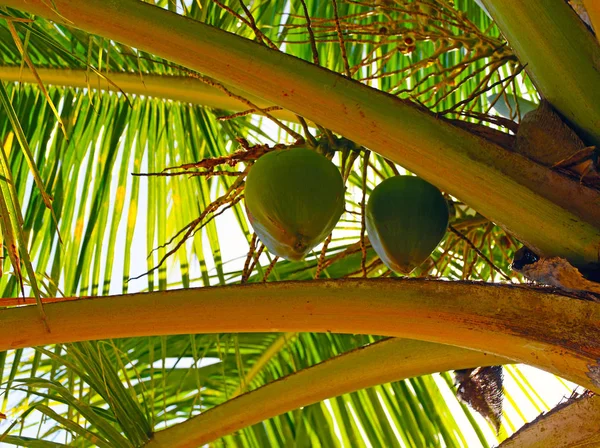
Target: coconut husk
x=481, y=388
x=543, y=136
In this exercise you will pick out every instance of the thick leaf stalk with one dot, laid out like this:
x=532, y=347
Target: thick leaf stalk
x=186, y=89
x=379, y=363
x=553, y=332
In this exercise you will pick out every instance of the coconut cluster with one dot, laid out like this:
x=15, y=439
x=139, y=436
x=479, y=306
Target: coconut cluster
x=294, y=198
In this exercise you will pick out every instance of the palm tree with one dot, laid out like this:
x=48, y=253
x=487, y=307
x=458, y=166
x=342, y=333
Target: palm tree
x=127, y=130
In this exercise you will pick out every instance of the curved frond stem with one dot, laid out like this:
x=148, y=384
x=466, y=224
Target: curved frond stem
x=186, y=89
x=382, y=362
x=553, y=332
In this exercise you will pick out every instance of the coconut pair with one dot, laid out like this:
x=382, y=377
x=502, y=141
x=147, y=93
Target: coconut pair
x=294, y=198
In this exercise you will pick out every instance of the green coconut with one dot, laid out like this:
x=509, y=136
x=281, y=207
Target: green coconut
x=294, y=198
x=406, y=218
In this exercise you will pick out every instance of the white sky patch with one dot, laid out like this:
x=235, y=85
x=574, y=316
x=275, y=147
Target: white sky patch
x=184, y=363
x=336, y=426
